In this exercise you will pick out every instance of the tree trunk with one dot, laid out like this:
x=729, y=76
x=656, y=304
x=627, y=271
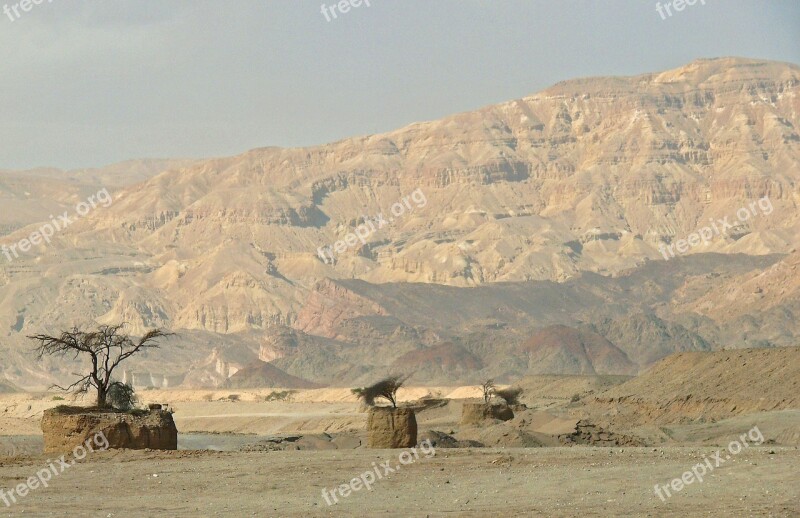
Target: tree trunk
x=101, y=397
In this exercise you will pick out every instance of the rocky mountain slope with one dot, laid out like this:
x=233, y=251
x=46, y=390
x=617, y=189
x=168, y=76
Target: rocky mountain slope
x=574, y=351
x=36, y=195
x=493, y=224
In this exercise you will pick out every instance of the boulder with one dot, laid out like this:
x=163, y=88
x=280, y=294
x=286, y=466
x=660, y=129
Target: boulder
x=65, y=428
x=476, y=413
x=392, y=427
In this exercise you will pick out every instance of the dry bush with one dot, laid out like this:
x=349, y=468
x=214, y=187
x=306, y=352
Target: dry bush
x=509, y=395
x=386, y=388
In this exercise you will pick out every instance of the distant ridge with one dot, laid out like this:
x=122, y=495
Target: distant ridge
x=261, y=374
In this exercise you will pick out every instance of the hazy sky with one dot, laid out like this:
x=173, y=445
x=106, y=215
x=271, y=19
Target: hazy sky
x=87, y=83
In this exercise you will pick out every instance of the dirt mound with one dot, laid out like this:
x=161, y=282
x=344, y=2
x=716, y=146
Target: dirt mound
x=65, y=428
x=261, y=374
x=698, y=386
x=443, y=440
x=544, y=423
x=564, y=388
x=477, y=413
x=392, y=428
x=504, y=435
x=566, y=350
x=429, y=403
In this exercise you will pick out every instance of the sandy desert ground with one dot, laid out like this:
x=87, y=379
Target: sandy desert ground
x=579, y=481
x=494, y=481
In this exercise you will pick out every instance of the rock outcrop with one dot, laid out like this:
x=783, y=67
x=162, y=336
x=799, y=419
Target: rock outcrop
x=591, y=434
x=392, y=427
x=65, y=428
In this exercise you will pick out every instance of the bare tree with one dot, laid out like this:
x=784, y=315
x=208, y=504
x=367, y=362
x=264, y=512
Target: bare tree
x=488, y=390
x=107, y=347
x=509, y=395
x=386, y=388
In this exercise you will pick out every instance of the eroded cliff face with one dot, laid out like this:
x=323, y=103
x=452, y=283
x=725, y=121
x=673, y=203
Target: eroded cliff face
x=587, y=176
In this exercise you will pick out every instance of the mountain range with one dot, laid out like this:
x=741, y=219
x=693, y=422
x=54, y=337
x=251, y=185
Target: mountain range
x=552, y=234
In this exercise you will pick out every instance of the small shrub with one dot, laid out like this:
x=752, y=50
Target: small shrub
x=122, y=396
x=234, y=398
x=280, y=396
x=575, y=398
x=58, y=398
